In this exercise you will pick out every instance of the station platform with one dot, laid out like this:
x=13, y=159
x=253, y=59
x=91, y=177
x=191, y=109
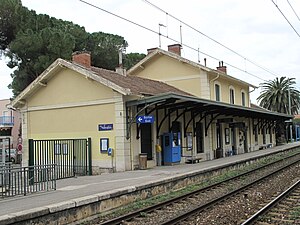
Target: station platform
x=71, y=189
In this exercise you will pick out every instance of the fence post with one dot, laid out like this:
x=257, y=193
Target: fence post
x=31, y=161
x=90, y=155
x=24, y=176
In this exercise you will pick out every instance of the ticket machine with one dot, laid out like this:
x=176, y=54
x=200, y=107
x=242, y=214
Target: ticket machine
x=171, y=148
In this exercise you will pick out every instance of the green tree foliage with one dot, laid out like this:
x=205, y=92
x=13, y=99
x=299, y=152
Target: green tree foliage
x=275, y=95
x=10, y=12
x=132, y=58
x=33, y=41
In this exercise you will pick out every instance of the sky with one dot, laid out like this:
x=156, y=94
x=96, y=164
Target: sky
x=256, y=36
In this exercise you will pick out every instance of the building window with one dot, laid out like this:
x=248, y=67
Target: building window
x=217, y=92
x=243, y=99
x=231, y=93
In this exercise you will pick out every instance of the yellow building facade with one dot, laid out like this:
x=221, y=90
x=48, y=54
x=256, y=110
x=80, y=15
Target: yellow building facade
x=166, y=107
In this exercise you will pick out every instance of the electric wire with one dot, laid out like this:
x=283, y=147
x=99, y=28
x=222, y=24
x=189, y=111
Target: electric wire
x=286, y=18
x=219, y=43
x=293, y=10
x=212, y=39
x=168, y=37
x=172, y=39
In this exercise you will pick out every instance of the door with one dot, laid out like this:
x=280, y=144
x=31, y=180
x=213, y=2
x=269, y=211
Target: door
x=199, y=138
x=146, y=140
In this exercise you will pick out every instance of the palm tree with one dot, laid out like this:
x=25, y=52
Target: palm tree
x=275, y=95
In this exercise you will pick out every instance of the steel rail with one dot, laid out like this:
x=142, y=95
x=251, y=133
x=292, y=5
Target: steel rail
x=186, y=215
x=271, y=204
x=130, y=216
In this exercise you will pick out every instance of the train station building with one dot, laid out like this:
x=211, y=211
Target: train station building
x=166, y=109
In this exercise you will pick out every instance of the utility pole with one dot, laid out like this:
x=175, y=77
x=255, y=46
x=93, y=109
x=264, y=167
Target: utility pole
x=159, y=34
x=290, y=111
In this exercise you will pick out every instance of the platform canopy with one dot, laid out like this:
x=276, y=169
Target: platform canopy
x=183, y=104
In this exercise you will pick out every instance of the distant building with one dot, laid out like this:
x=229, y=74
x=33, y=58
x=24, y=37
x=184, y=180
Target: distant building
x=10, y=124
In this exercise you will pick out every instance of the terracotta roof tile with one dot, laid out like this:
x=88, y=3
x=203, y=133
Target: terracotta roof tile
x=137, y=85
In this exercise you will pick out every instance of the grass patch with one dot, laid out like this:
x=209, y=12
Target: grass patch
x=295, y=214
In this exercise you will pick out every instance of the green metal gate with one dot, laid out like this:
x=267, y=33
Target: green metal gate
x=71, y=156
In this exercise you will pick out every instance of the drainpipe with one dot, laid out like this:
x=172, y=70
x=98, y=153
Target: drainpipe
x=254, y=88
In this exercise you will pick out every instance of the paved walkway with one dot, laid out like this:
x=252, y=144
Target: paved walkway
x=73, y=188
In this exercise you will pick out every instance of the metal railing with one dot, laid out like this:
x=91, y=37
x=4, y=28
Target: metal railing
x=26, y=180
x=72, y=157
x=6, y=120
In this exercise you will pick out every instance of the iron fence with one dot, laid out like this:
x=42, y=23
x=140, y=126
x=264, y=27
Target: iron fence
x=26, y=180
x=71, y=156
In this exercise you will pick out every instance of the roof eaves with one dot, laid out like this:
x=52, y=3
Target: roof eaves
x=34, y=85
x=94, y=76
x=60, y=63
x=184, y=60
x=231, y=77
x=206, y=101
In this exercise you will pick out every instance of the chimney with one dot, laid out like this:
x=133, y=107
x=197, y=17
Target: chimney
x=82, y=58
x=176, y=48
x=120, y=70
x=150, y=50
x=222, y=68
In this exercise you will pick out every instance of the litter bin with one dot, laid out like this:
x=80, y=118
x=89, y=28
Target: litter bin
x=219, y=153
x=143, y=161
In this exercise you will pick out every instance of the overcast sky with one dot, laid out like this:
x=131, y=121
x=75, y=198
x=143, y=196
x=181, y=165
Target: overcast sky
x=255, y=30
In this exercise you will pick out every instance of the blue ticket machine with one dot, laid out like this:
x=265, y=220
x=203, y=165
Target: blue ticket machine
x=171, y=148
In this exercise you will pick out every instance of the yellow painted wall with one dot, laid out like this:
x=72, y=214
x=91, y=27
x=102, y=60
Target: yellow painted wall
x=68, y=86
x=79, y=122
x=63, y=121
x=225, y=86
x=173, y=72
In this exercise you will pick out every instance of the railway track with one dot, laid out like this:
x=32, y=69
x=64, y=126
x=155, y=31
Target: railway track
x=179, y=209
x=284, y=209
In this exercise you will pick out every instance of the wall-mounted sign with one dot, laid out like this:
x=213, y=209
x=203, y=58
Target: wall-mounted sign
x=104, y=144
x=104, y=127
x=145, y=119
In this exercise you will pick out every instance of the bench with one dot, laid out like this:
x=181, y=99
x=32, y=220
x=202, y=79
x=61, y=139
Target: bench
x=193, y=160
x=264, y=146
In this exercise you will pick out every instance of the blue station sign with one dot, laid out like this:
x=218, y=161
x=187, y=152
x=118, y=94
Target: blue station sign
x=105, y=127
x=145, y=119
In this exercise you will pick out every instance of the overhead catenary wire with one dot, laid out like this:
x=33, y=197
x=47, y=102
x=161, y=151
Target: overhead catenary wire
x=293, y=10
x=172, y=39
x=212, y=39
x=168, y=37
x=286, y=18
x=219, y=43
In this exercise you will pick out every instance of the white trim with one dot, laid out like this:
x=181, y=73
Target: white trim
x=70, y=105
x=182, y=78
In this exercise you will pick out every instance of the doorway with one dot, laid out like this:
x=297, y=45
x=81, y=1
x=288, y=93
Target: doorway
x=146, y=140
